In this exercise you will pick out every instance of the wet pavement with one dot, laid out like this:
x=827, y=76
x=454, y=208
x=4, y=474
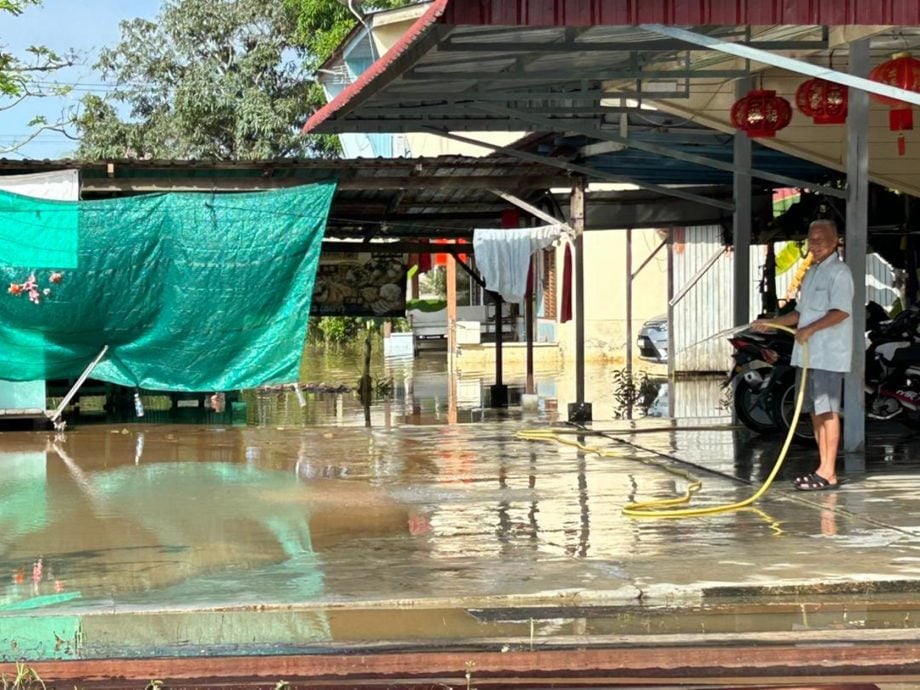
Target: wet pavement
x=306, y=530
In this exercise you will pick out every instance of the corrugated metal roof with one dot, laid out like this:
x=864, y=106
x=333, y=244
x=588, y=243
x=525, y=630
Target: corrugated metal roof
x=380, y=197
x=581, y=66
x=522, y=30
x=360, y=172
x=680, y=12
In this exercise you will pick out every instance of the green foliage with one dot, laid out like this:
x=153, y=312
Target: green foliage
x=208, y=79
x=633, y=391
x=26, y=678
x=430, y=304
x=434, y=282
x=321, y=25
x=22, y=78
x=320, y=28
x=338, y=331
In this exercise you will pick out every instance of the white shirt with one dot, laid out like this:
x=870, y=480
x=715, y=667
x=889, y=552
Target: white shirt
x=829, y=285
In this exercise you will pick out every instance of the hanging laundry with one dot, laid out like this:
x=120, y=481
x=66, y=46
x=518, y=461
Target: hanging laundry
x=424, y=262
x=503, y=256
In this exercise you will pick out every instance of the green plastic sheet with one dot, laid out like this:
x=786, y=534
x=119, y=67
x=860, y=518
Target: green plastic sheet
x=191, y=292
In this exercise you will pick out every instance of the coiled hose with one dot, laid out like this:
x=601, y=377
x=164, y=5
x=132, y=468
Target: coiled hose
x=669, y=508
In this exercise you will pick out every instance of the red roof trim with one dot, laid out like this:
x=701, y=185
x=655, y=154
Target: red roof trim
x=421, y=26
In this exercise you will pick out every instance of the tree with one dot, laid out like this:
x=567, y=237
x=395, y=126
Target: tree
x=22, y=78
x=320, y=27
x=208, y=79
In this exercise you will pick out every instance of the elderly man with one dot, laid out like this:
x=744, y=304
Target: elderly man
x=822, y=316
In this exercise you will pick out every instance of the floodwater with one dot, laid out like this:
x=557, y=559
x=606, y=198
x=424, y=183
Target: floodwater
x=302, y=527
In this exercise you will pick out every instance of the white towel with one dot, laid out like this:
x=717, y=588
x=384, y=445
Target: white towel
x=503, y=255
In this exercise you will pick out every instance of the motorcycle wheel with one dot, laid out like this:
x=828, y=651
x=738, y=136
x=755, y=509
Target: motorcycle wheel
x=751, y=408
x=783, y=410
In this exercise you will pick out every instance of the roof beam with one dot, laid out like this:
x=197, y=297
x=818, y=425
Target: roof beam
x=447, y=110
x=398, y=247
x=445, y=97
x=585, y=170
x=604, y=135
x=567, y=76
x=531, y=209
x=653, y=44
x=786, y=63
x=409, y=217
x=359, y=183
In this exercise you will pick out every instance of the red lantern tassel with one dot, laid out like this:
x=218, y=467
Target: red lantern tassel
x=902, y=145
x=900, y=118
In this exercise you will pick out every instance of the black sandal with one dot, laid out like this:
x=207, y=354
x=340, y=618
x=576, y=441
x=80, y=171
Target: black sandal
x=813, y=482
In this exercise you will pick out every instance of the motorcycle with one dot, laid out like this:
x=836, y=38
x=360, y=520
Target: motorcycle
x=881, y=332
x=756, y=359
x=765, y=401
x=893, y=369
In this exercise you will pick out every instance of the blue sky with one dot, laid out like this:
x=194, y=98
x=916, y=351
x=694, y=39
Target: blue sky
x=84, y=25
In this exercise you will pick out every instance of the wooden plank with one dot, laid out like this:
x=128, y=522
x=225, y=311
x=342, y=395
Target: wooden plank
x=740, y=665
x=180, y=183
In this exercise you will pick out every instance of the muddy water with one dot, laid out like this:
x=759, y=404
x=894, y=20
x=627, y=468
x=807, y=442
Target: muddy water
x=181, y=516
x=305, y=509
x=276, y=505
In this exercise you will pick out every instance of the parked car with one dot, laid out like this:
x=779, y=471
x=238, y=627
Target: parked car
x=653, y=340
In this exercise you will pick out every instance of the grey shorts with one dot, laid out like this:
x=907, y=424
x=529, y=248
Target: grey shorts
x=823, y=390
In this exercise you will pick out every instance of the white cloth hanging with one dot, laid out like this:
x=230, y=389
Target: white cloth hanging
x=503, y=256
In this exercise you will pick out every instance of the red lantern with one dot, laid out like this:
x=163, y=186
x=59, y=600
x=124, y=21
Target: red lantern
x=901, y=71
x=823, y=101
x=761, y=113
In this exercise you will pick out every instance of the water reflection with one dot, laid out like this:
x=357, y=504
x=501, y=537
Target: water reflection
x=198, y=516
x=182, y=516
x=424, y=392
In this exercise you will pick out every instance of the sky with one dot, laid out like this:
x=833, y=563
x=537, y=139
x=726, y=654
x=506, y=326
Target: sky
x=83, y=25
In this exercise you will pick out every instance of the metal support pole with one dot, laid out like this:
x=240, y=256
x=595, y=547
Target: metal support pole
x=580, y=410
x=741, y=219
x=530, y=208
x=672, y=354
x=696, y=277
x=629, y=304
x=55, y=415
x=529, y=319
x=854, y=426
x=451, y=339
x=451, y=280
x=648, y=259
x=794, y=65
x=499, y=391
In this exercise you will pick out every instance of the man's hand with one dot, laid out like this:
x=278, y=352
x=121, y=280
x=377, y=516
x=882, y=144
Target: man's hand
x=762, y=325
x=803, y=334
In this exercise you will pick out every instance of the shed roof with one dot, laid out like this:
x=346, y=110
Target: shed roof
x=446, y=196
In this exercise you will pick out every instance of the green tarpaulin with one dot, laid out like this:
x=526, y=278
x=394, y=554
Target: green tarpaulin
x=191, y=292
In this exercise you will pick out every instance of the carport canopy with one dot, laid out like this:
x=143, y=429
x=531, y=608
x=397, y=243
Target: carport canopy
x=591, y=70
x=588, y=70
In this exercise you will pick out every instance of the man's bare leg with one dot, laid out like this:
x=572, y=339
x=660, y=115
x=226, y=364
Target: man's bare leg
x=827, y=436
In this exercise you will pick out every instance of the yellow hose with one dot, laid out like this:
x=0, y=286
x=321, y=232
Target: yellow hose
x=664, y=508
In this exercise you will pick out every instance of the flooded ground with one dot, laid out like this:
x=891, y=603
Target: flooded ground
x=301, y=528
